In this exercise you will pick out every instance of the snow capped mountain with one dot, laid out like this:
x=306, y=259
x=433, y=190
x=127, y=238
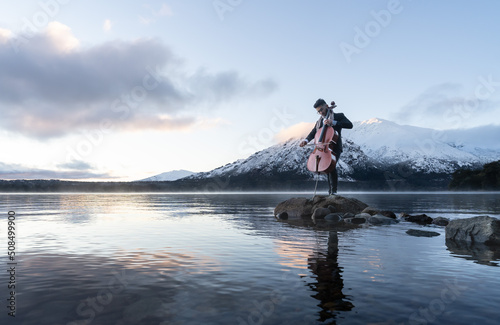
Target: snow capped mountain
x=286, y=158
x=426, y=150
x=374, y=149
x=169, y=176
x=278, y=158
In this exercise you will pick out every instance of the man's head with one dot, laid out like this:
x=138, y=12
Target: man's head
x=319, y=102
x=321, y=106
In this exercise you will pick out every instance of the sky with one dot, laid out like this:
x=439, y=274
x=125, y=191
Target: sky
x=124, y=90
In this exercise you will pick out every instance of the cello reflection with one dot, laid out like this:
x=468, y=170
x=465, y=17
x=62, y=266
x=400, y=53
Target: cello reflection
x=329, y=284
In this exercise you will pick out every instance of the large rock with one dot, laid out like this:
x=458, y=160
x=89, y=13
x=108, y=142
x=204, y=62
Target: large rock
x=304, y=208
x=295, y=207
x=339, y=203
x=482, y=229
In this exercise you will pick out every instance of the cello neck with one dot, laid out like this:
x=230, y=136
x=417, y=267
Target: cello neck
x=328, y=112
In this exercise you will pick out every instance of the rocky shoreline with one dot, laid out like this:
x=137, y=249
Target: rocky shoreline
x=338, y=212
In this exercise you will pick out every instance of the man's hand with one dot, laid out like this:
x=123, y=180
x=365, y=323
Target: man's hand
x=303, y=143
x=330, y=122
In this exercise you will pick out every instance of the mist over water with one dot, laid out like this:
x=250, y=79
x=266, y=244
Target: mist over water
x=224, y=259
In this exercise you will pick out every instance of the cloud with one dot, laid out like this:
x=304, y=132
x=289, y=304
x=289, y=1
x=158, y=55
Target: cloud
x=78, y=171
x=296, y=131
x=145, y=21
x=5, y=35
x=165, y=10
x=107, y=25
x=76, y=165
x=59, y=36
x=53, y=86
x=444, y=106
x=152, y=15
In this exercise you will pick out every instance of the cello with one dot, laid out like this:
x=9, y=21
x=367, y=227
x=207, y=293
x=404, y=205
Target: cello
x=321, y=159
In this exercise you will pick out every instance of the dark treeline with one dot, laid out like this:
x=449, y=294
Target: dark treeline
x=487, y=178
x=40, y=185
x=254, y=181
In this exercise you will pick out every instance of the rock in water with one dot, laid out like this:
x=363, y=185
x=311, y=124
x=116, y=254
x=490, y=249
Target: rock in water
x=339, y=203
x=379, y=219
x=421, y=219
x=482, y=229
x=320, y=213
x=440, y=221
x=282, y=216
x=304, y=208
x=295, y=207
x=421, y=233
x=334, y=217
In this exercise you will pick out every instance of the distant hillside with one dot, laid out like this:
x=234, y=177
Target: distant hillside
x=487, y=178
x=169, y=176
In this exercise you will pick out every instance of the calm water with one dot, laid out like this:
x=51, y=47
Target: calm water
x=224, y=259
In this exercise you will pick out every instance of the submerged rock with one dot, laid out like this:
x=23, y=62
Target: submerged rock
x=482, y=229
x=422, y=233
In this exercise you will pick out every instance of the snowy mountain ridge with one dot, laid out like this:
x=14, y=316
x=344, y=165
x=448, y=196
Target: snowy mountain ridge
x=379, y=144
x=169, y=176
x=424, y=148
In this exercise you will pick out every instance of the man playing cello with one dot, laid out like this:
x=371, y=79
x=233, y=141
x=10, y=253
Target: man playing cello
x=338, y=121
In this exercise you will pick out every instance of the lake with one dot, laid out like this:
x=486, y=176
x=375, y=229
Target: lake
x=224, y=259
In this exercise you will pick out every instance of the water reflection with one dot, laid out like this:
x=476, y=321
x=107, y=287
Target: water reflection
x=323, y=263
x=132, y=288
x=449, y=204
x=329, y=284
x=477, y=252
x=222, y=259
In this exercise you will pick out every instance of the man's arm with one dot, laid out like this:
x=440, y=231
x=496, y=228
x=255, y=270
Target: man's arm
x=309, y=137
x=311, y=134
x=343, y=121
